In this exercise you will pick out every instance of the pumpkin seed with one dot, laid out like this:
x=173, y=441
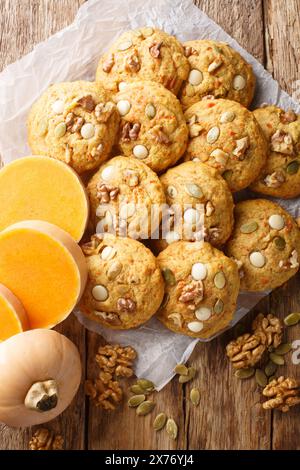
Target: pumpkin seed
x=279, y=243
x=261, y=378
x=219, y=306
x=136, y=400
x=186, y=378
x=249, y=227
x=244, y=373
x=159, y=421
x=165, y=300
x=278, y=360
x=146, y=385
x=181, y=369
x=270, y=369
x=43, y=127
x=227, y=174
x=169, y=276
x=292, y=319
x=137, y=390
x=195, y=396
x=284, y=348
x=292, y=167
x=150, y=111
x=145, y=408
x=60, y=130
x=193, y=190
x=220, y=280
x=172, y=429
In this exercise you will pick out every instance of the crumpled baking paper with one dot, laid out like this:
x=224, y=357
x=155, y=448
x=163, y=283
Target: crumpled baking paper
x=72, y=54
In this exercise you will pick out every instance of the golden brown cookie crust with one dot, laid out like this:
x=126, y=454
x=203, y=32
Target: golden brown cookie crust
x=152, y=127
x=226, y=136
x=74, y=122
x=217, y=70
x=129, y=183
x=266, y=244
x=201, y=288
x=147, y=54
x=281, y=175
x=125, y=275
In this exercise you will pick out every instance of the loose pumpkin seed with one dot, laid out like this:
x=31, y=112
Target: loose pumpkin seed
x=227, y=174
x=186, y=378
x=249, y=227
x=137, y=390
x=136, y=400
x=279, y=243
x=159, y=421
x=169, y=276
x=284, y=348
x=195, y=396
x=270, y=369
x=261, y=378
x=193, y=190
x=278, y=360
x=219, y=306
x=292, y=319
x=292, y=167
x=219, y=280
x=145, y=408
x=146, y=385
x=172, y=429
x=244, y=373
x=181, y=369
x=60, y=130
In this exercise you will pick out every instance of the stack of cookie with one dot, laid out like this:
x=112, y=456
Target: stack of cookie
x=166, y=125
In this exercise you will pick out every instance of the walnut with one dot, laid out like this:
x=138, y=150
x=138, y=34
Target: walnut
x=288, y=116
x=282, y=393
x=241, y=146
x=154, y=49
x=245, y=351
x=106, y=193
x=132, y=63
x=126, y=305
x=291, y=263
x=108, y=63
x=188, y=51
x=169, y=82
x=44, y=439
x=195, y=130
x=239, y=264
x=275, y=180
x=269, y=328
x=130, y=131
x=93, y=246
x=103, y=111
x=209, y=209
x=87, y=102
x=282, y=142
x=192, y=292
x=74, y=123
x=160, y=137
x=212, y=234
x=131, y=178
x=105, y=395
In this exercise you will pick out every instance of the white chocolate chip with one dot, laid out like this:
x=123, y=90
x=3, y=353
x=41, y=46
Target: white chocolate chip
x=58, y=107
x=123, y=107
x=191, y=216
x=140, y=151
x=108, y=252
x=276, y=222
x=228, y=116
x=195, y=77
x=125, y=45
x=172, y=237
x=171, y=191
x=87, y=131
x=122, y=86
x=108, y=173
x=203, y=313
x=199, y=271
x=257, y=259
x=239, y=82
x=213, y=135
x=195, y=326
x=100, y=293
x=127, y=210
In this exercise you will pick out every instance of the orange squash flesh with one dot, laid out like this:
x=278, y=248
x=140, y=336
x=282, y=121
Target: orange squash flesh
x=42, y=188
x=13, y=318
x=45, y=269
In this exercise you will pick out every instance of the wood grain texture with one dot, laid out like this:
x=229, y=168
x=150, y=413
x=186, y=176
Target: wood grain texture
x=229, y=415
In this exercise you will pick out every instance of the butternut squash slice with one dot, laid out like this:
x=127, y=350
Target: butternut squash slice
x=42, y=188
x=13, y=318
x=45, y=268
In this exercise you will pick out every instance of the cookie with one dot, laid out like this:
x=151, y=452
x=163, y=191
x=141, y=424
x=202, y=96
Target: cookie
x=216, y=70
x=226, y=136
x=144, y=54
x=74, y=122
x=201, y=289
x=265, y=243
x=281, y=175
x=152, y=128
x=125, y=286
x=196, y=193
x=122, y=194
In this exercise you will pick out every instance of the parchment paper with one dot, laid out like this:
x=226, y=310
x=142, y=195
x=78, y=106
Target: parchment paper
x=72, y=54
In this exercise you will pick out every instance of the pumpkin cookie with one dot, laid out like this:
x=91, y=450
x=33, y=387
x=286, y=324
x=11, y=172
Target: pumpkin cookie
x=147, y=54
x=281, y=175
x=74, y=122
x=226, y=136
x=265, y=243
x=125, y=286
x=201, y=288
x=216, y=70
x=122, y=194
x=153, y=128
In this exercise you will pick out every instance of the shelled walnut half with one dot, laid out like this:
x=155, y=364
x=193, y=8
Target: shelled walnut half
x=282, y=393
x=45, y=439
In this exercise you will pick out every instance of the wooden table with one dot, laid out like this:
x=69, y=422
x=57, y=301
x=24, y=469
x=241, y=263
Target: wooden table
x=229, y=415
